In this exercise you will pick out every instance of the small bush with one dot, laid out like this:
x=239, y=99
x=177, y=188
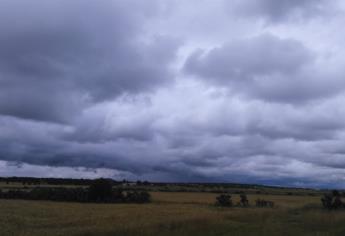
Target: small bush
x=263, y=203
x=137, y=197
x=244, y=200
x=224, y=200
x=332, y=200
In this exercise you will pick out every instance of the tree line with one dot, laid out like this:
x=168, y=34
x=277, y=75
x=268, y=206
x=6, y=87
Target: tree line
x=53, y=181
x=99, y=191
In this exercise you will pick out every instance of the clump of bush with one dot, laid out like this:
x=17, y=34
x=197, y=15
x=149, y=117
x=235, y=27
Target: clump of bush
x=263, y=203
x=100, y=191
x=51, y=194
x=137, y=197
x=332, y=200
x=244, y=200
x=224, y=200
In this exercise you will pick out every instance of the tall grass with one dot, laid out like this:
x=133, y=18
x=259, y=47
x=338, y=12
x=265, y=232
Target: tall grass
x=171, y=214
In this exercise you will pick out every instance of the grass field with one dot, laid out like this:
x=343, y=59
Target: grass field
x=171, y=214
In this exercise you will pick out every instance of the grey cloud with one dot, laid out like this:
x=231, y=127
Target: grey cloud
x=8, y=168
x=42, y=144
x=59, y=57
x=266, y=67
x=249, y=139
x=91, y=89
x=278, y=11
x=263, y=55
x=245, y=155
x=227, y=133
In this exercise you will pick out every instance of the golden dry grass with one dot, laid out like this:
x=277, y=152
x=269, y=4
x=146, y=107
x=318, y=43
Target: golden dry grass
x=170, y=214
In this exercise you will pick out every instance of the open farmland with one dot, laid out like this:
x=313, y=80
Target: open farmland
x=171, y=214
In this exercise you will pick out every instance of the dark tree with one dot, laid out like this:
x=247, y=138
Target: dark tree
x=101, y=190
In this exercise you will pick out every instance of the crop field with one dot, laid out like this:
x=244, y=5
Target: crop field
x=171, y=214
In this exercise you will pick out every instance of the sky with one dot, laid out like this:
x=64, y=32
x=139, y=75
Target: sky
x=174, y=91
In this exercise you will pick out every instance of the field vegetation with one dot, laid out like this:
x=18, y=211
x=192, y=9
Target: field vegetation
x=172, y=213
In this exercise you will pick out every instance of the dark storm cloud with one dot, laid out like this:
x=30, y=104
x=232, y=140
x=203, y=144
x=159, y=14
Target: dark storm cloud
x=36, y=143
x=58, y=57
x=94, y=88
x=277, y=11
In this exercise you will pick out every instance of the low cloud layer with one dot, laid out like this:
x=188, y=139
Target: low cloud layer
x=141, y=90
